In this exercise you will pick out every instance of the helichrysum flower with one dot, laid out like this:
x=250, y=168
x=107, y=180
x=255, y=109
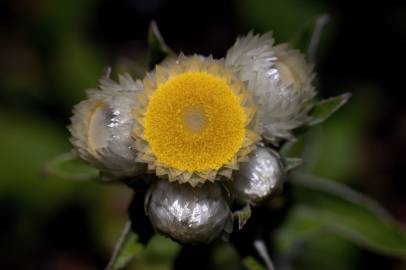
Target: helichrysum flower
x=102, y=125
x=259, y=177
x=193, y=121
x=198, y=124
x=189, y=214
x=278, y=78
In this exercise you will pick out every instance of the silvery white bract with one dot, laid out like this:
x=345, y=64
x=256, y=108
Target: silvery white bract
x=258, y=178
x=280, y=81
x=197, y=125
x=188, y=214
x=102, y=125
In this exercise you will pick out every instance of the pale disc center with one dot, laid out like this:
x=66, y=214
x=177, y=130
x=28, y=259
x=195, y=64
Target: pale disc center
x=194, y=119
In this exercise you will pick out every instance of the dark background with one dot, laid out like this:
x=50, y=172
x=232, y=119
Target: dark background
x=50, y=51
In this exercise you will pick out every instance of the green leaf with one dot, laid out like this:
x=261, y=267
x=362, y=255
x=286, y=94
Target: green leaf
x=331, y=207
x=127, y=248
x=292, y=163
x=252, y=264
x=317, y=249
x=69, y=166
x=159, y=253
x=158, y=50
x=325, y=108
x=307, y=39
x=243, y=215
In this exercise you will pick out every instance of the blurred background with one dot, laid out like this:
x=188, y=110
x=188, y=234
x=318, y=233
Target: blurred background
x=51, y=50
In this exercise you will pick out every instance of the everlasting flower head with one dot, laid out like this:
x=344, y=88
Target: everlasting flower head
x=280, y=81
x=193, y=121
x=200, y=126
x=101, y=127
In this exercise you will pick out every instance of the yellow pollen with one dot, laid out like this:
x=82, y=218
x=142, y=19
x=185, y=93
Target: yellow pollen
x=194, y=122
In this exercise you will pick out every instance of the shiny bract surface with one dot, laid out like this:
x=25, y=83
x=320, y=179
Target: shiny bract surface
x=278, y=78
x=187, y=214
x=259, y=177
x=102, y=125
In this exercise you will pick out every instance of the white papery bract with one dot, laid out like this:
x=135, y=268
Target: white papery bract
x=258, y=178
x=279, y=80
x=101, y=127
x=189, y=214
x=199, y=126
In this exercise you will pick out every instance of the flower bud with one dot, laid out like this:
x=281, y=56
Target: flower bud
x=188, y=214
x=258, y=178
x=101, y=127
x=280, y=80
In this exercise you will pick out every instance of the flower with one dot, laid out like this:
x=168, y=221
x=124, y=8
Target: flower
x=101, y=127
x=189, y=214
x=200, y=126
x=258, y=178
x=193, y=120
x=278, y=78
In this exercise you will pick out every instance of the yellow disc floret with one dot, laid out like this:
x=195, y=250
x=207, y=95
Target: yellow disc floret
x=194, y=122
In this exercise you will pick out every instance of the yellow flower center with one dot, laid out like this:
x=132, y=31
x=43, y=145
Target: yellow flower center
x=194, y=122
